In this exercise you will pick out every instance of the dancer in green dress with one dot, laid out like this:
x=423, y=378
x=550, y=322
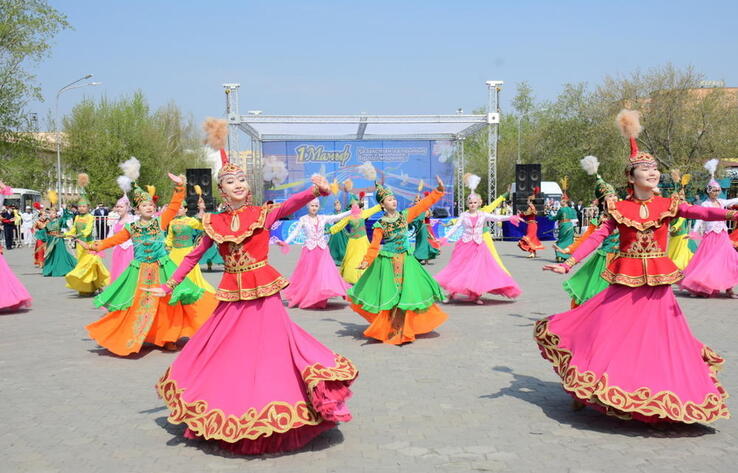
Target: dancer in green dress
x=424, y=249
x=565, y=216
x=57, y=260
x=337, y=241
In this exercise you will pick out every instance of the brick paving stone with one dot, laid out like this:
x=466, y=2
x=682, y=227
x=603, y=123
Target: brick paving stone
x=475, y=396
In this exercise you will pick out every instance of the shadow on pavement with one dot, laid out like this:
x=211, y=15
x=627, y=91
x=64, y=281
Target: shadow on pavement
x=323, y=441
x=556, y=405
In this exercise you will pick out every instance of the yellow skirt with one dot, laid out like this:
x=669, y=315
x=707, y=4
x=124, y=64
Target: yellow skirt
x=89, y=275
x=491, y=245
x=356, y=249
x=679, y=251
x=177, y=255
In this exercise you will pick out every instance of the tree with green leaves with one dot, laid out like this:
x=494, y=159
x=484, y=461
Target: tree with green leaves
x=103, y=134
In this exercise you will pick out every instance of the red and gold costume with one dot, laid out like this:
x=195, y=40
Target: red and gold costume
x=530, y=241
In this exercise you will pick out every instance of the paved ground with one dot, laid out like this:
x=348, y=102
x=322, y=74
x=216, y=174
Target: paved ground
x=475, y=396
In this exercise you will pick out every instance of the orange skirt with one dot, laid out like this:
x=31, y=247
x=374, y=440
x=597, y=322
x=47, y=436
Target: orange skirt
x=152, y=320
x=396, y=328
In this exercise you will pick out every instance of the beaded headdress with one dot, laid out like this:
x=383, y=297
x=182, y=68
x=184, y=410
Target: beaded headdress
x=382, y=192
x=629, y=124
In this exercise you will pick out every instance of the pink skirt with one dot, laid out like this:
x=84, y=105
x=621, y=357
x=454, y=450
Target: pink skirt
x=13, y=295
x=714, y=266
x=256, y=382
x=473, y=271
x=121, y=259
x=315, y=280
x=630, y=353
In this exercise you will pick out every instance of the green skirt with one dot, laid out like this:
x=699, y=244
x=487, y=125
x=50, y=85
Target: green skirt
x=120, y=294
x=337, y=246
x=212, y=256
x=565, y=239
x=57, y=260
x=379, y=288
x=587, y=282
x=423, y=248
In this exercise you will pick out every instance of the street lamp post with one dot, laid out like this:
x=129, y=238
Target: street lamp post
x=70, y=86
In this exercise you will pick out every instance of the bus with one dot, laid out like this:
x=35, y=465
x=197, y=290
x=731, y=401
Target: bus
x=22, y=198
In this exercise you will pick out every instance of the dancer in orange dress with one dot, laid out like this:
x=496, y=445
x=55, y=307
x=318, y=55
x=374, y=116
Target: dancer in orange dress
x=530, y=241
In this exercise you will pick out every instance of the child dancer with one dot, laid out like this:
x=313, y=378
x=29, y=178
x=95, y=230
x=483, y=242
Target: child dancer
x=337, y=241
x=315, y=278
x=714, y=267
x=135, y=315
x=123, y=253
x=396, y=294
x=251, y=379
x=358, y=243
x=628, y=351
x=530, y=242
x=181, y=236
x=90, y=274
x=472, y=270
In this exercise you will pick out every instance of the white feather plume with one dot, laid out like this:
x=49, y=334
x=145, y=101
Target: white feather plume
x=711, y=166
x=124, y=182
x=472, y=181
x=590, y=164
x=131, y=168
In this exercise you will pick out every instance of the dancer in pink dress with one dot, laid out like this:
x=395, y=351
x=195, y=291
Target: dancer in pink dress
x=250, y=378
x=472, y=270
x=628, y=351
x=13, y=295
x=123, y=253
x=315, y=278
x=714, y=266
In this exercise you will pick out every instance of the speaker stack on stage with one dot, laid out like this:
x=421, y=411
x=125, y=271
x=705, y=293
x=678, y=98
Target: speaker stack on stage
x=527, y=179
x=202, y=177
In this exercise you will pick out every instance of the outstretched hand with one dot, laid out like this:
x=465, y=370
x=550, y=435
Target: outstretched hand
x=363, y=266
x=179, y=180
x=556, y=268
x=440, y=183
x=322, y=183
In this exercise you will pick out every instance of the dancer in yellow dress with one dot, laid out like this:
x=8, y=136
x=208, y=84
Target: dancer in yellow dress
x=90, y=274
x=180, y=240
x=358, y=243
x=487, y=234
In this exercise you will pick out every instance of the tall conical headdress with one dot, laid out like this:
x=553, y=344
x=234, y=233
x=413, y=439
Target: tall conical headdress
x=591, y=166
x=382, y=192
x=629, y=124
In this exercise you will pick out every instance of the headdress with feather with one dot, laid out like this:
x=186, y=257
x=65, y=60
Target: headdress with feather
x=629, y=124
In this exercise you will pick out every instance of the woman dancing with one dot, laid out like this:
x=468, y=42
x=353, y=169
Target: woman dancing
x=530, y=242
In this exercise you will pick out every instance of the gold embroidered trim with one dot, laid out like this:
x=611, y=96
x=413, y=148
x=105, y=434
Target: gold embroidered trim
x=620, y=403
x=244, y=269
x=731, y=214
x=642, y=280
x=571, y=262
x=255, y=225
x=248, y=294
x=172, y=283
x=642, y=226
x=275, y=417
x=660, y=254
x=316, y=191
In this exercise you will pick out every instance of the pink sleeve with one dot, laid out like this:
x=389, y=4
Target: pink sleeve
x=699, y=212
x=594, y=240
x=190, y=261
x=290, y=205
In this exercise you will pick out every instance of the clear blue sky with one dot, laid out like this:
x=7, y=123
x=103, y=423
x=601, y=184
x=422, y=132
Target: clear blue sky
x=395, y=57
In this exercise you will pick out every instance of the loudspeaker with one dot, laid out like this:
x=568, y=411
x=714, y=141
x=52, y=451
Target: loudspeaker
x=527, y=177
x=440, y=212
x=202, y=177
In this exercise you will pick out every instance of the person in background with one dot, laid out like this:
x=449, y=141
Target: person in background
x=579, y=209
x=101, y=228
x=8, y=220
x=27, y=227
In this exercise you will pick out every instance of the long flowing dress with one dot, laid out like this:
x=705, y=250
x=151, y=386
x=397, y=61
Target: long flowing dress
x=587, y=281
x=487, y=235
x=714, y=267
x=734, y=237
x=90, y=273
x=181, y=236
x=357, y=245
x=396, y=295
x=530, y=242
x=122, y=254
x=679, y=251
x=40, y=237
x=250, y=378
x=564, y=216
x=628, y=351
x=13, y=295
x=424, y=249
x=315, y=278
x=337, y=245
x=136, y=316
x=57, y=260
x=472, y=270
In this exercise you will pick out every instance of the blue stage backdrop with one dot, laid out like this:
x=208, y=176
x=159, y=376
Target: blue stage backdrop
x=408, y=167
